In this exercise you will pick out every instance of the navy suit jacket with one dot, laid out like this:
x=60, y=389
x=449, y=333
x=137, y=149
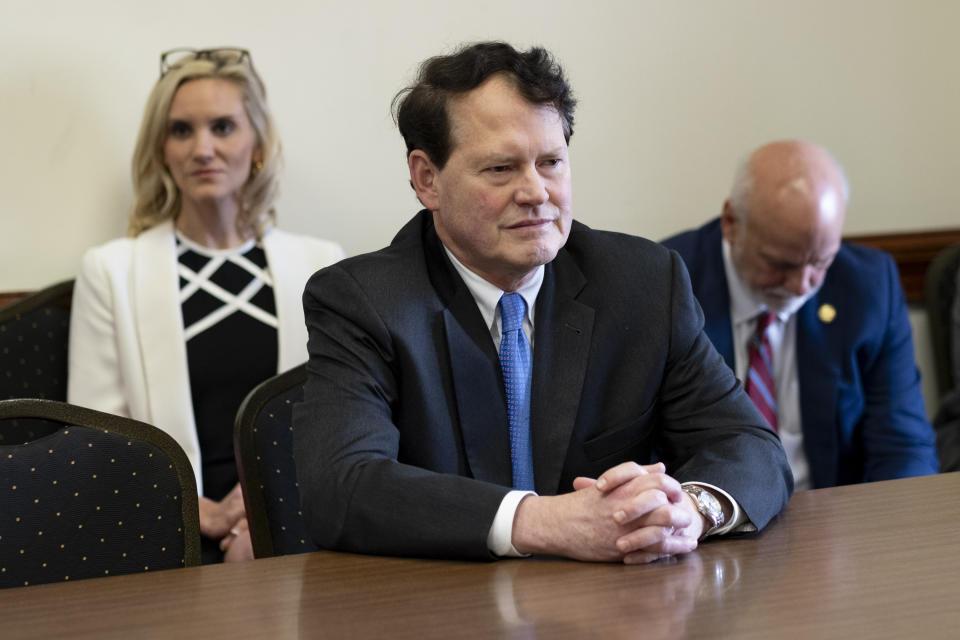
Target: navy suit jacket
x=860, y=401
x=401, y=443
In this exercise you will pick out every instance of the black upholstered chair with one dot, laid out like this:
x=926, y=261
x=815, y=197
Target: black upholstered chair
x=263, y=441
x=97, y=495
x=33, y=344
x=940, y=293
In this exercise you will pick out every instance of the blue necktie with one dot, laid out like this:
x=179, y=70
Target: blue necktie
x=516, y=363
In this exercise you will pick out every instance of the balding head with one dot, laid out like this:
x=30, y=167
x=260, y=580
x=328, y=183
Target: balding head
x=784, y=220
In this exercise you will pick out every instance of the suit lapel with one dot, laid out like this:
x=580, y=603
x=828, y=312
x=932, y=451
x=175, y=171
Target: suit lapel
x=474, y=370
x=818, y=394
x=561, y=350
x=478, y=388
x=712, y=292
x=162, y=346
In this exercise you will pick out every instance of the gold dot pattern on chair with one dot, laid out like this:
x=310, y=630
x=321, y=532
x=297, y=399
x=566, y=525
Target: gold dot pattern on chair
x=273, y=439
x=33, y=354
x=82, y=503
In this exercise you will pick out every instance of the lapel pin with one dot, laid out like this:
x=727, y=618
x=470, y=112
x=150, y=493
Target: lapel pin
x=826, y=313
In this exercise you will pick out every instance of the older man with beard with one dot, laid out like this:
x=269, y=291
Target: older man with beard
x=817, y=329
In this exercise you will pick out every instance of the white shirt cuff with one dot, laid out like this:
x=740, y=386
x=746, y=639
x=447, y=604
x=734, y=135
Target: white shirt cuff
x=500, y=537
x=738, y=522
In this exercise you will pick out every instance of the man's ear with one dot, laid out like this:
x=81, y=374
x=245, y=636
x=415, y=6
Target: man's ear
x=424, y=178
x=729, y=223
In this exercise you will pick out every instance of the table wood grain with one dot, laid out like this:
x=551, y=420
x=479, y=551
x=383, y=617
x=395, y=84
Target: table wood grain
x=869, y=561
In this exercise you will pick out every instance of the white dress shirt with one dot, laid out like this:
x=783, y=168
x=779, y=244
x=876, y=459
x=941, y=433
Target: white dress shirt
x=782, y=333
x=487, y=296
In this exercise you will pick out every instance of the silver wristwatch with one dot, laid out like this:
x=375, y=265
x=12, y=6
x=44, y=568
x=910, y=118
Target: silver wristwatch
x=708, y=506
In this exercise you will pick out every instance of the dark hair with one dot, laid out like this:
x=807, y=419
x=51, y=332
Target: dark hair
x=420, y=110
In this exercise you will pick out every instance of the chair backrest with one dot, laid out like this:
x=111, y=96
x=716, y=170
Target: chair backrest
x=98, y=495
x=33, y=344
x=263, y=442
x=940, y=297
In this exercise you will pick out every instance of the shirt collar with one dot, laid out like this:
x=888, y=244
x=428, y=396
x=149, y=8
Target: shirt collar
x=487, y=295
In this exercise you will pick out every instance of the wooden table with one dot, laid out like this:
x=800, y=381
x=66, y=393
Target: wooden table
x=868, y=561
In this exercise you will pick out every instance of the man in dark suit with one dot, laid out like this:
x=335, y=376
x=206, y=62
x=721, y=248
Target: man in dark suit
x=844, y=390
x=424, y=429
x=947, y=421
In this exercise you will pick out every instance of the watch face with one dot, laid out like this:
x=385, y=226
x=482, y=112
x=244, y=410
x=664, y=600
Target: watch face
x=709, y=502
x=708, y=505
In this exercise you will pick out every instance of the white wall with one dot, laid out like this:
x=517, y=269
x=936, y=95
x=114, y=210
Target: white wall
x=671, y=93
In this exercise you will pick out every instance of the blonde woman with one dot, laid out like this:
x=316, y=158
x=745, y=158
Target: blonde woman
x=176, y=323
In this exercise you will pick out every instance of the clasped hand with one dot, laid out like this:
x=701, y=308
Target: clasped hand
x=631, y=513
x=226, y=521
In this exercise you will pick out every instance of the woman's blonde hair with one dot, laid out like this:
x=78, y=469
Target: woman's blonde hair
x=157, y=197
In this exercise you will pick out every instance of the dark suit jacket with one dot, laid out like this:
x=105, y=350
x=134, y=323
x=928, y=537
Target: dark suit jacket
x=860, y=402
x=947, y=424
x=401, y=443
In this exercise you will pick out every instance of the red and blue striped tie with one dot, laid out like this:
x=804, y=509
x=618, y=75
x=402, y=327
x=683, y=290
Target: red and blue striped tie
x=760, y=383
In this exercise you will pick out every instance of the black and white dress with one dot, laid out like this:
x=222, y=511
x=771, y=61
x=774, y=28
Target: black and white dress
x=230, y=326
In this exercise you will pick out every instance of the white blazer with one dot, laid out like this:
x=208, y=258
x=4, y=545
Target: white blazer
x=128, y=355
